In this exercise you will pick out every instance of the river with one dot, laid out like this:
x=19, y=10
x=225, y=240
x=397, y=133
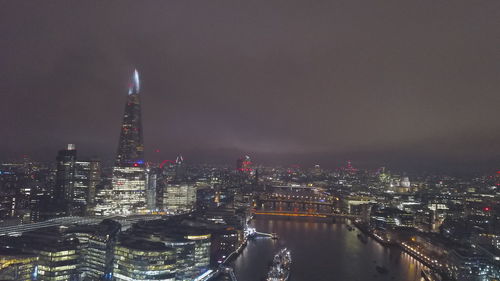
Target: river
x=322, y=251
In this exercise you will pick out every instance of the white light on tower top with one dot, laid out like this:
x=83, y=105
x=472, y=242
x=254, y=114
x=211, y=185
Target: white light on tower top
x=134, y=84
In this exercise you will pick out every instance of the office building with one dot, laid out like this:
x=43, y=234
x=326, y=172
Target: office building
x=17, y=265
x=189, y=239
x=64, y=183
x=179, y=197
x=139, y=259
x=87, y=177
x=98, y=254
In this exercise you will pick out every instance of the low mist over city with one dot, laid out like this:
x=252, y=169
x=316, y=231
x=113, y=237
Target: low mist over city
x=250, y=141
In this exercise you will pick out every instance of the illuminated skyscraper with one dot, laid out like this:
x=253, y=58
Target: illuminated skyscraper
x=129, y=176
x=244, y=164
x=180, y=169
x=87, y=177
x=64, y=185
x=152, y=184
x=130, y=146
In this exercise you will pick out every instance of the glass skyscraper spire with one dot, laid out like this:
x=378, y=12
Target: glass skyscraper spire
x=129, y=175
x=130, y=146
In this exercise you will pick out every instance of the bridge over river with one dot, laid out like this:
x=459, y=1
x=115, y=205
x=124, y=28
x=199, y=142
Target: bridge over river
x=297, y=202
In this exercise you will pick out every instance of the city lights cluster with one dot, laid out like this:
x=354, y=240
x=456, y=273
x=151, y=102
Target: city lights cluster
x=415, y=251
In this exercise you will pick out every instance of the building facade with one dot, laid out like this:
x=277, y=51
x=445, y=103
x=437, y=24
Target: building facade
x=64, y=184
x=144, y=260
x=129, y=175
x=87, y=177
x=179, y=198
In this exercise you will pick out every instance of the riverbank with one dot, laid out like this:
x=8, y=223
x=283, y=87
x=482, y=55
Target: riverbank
x=224, y=266
x=322, y=251
x=432, y=264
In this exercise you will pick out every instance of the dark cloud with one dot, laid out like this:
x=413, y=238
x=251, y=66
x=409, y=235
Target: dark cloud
x=408, y=83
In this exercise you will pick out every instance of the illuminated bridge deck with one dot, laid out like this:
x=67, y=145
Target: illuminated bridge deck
x=302, y=214
x=297, y=202
x=124, y=221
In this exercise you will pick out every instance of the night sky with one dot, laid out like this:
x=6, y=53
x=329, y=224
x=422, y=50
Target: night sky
x=407, y=84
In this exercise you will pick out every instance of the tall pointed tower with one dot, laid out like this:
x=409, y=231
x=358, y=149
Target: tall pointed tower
x=129, y=175
x=130, y=146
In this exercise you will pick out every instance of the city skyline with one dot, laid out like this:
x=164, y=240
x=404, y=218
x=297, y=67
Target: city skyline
x=242, y=141
x=346, y=84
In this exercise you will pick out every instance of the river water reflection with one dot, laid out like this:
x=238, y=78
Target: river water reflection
x=322, y=251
